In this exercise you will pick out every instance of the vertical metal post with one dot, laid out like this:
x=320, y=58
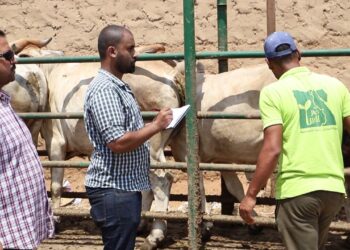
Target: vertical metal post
x=194, y=212
x=271, y=16
x=222, y=32
x=226, y=207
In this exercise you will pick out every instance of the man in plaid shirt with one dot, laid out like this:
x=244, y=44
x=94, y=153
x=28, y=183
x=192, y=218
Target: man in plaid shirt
x=120, y=162
x=25, y=213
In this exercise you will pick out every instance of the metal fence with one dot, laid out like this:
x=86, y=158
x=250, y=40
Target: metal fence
x=195, y=217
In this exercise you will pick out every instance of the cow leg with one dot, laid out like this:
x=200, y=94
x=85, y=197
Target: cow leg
x=147, y=199
x=56, y=153
x=161, y=185
x=233, y=184
x=235, y=187
x=207, y=225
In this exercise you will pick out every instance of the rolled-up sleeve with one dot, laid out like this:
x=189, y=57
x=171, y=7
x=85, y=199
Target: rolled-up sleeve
x=107, y=112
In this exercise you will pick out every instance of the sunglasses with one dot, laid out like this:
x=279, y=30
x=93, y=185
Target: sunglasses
x=8, y=55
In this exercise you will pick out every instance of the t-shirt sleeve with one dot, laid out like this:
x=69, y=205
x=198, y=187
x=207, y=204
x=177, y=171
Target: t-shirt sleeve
x=269, y=108
x=107, y=111
x=346, y=101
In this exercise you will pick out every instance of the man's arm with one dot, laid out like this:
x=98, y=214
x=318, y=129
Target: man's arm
x=131, y=140
x=266, y=164
x=346, y=124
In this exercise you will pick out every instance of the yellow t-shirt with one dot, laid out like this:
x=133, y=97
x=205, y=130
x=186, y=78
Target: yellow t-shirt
x=310, y=107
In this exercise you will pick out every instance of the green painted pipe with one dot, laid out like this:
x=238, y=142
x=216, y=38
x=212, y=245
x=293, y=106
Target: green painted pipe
x=195, y=216
x=147, y=115
x=222, y=33
x=179, y=56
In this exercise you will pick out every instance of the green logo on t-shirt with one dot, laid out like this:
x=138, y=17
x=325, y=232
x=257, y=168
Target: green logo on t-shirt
x=313, y=109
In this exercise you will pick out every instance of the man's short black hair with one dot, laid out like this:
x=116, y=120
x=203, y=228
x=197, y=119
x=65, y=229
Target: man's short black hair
x=109, y=36
x=2, y=34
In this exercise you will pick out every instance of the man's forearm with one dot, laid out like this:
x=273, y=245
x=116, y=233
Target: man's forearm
x=267, y=162
x=131, y=140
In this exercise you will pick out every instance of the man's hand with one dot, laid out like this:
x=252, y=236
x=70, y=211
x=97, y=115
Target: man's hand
x=246, y=209
x=163, y=119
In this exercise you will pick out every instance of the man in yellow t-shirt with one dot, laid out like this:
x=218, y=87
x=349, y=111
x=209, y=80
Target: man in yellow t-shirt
x=303, y=115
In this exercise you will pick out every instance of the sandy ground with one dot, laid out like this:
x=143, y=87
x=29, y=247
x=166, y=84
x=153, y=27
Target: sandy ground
x=80, y=234
x=74, y=26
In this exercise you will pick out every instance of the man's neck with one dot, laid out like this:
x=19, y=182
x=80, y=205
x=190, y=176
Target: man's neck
x=107, y=67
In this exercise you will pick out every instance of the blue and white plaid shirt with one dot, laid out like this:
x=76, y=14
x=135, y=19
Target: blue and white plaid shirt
x=110, y=110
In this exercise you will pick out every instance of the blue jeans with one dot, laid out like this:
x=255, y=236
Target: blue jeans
x=118, y=214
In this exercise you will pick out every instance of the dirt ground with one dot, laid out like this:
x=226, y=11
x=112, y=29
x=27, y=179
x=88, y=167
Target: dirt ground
x=74, y=26
x=82, y=234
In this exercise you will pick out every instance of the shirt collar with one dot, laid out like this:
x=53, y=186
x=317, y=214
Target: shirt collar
x=112, y=77
x=294, y=71
x=116, y=80
x=4, y=97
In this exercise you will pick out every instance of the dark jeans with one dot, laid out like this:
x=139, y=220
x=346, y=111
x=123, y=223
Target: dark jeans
x=118, y=214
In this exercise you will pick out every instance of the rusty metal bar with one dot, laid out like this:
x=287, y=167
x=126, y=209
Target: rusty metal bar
x=167, y=165
x=71, y=115
x=194, y=197
x=180, y=197
x=158, y=165
x=267, y=222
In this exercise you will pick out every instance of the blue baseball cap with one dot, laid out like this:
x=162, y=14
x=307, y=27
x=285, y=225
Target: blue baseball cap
x=276, y=39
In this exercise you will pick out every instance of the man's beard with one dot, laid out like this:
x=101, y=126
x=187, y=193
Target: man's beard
x=124, y=67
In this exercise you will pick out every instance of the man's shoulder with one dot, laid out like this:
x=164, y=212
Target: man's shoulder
x=325, y=78
x=272, y=87
x=100, y=85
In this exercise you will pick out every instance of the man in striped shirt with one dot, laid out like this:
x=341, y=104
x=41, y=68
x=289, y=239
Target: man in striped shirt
x=120, y=162
x=25, y=214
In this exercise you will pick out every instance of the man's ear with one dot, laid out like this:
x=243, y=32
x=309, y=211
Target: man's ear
x=112, y=51
x=268, y=63
x=299, y=55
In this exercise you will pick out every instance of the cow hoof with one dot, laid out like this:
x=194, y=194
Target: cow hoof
x=56, y=219
x=206, y=234
x=146, y=245
x=254, y=229
x=347, y=242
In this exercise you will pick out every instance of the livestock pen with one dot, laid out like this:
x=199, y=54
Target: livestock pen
x=192, y=166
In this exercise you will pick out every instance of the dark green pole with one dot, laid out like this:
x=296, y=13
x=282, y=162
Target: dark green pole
x=222, y=33
x=194, y=213
x=226, y=207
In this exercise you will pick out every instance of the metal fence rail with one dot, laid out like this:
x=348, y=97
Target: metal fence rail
x=167, y=165
x=192, y=166
x=180, y=56
x=268, y=222
x=147, y=115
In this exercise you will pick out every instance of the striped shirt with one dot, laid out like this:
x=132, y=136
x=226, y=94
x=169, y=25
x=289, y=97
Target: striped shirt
x=25, y=214
x=110, y=110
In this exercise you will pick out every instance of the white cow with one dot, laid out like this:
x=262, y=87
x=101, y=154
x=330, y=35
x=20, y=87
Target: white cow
x=29, y=90
x=64, y=138
x=225, y=140
x=67, y=86
x=228, y=140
